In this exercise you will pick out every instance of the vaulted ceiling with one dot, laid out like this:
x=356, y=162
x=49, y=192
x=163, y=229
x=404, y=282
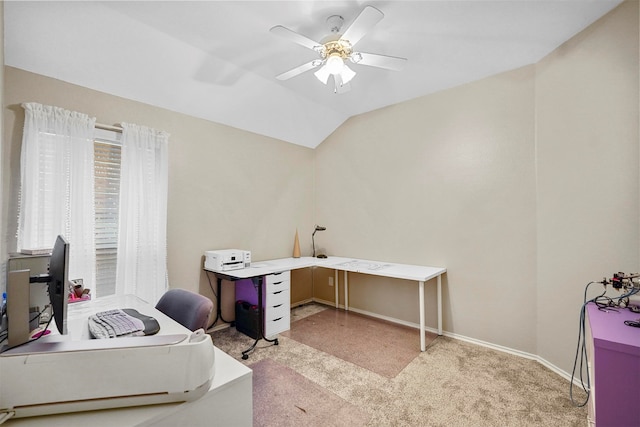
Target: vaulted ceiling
x=217, y=60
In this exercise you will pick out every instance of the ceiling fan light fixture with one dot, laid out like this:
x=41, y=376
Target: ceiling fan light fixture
x=347, y=74
x=334, y=64
x=322, y=74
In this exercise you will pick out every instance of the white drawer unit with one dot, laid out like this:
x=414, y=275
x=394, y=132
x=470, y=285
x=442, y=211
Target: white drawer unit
x=277, y=303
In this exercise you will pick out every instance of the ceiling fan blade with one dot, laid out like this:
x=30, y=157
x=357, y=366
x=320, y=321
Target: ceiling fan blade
x=299, y=70
x=367, y=19
x=382, y=61
x=295, y=37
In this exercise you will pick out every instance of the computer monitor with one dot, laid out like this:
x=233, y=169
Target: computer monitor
x=59, y=284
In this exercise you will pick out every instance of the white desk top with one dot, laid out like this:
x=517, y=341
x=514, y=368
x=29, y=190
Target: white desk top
x=377, y=268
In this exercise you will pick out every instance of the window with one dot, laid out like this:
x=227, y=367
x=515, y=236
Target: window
x=93, y=169
x=107, y=149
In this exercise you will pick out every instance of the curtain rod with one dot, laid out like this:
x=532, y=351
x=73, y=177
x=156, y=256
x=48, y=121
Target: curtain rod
x=109, y=127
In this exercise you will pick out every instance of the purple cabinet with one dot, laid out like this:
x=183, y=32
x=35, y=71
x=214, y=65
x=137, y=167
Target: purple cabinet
x=614, y=367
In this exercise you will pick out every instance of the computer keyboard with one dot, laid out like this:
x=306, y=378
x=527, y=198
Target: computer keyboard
x=114, y=323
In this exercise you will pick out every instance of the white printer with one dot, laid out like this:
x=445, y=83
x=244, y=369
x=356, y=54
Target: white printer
x=70, y=373
x=227, y=259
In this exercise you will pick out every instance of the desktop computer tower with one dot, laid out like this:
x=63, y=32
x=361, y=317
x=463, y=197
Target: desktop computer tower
x=248, y=319
x=37, y=265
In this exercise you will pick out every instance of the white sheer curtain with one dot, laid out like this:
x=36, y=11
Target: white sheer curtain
x=57, y=193
x=142, y=239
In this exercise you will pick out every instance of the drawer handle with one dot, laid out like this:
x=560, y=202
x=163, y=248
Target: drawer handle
x=276, y=306
x=278, y=292
x=275, y=320
x=277, y=283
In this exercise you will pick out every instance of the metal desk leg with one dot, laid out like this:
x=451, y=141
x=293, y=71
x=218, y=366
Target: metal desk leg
x=346, y=290
x=335, y=274
x=218, y=301
x=440, y=305
x=423, y=346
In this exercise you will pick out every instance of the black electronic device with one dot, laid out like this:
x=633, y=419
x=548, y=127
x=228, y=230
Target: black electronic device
x=151, y=325
x=248, y=319
x=59, y=282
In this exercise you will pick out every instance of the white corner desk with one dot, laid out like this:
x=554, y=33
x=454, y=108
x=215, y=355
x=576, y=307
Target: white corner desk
x=420, y=274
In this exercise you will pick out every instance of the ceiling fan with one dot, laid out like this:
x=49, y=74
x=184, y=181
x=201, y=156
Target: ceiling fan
x=337, y=48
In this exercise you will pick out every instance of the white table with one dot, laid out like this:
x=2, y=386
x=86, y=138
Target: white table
x=420, y=274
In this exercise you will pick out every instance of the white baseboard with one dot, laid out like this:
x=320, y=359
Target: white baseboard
x=392, y=319
x=519, y=353
x=325, y=302
x=303, y=302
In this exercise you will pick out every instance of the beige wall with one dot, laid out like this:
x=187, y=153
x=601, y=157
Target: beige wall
x=524, y=185
x=446, y=180
x=227, y=188
x=587, y=172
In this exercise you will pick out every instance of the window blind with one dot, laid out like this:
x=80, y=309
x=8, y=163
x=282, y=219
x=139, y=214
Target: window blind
x=107, y=150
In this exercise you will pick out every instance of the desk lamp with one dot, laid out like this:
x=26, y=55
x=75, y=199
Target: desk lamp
x=318, y=228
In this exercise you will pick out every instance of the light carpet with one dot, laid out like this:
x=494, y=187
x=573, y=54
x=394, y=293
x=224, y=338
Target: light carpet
x=283, y=397
x=453, y=383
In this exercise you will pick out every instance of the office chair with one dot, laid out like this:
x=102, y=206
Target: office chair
x=188, y=308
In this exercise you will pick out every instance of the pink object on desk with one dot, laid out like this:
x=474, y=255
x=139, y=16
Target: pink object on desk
x=40, y=333
x=73, y=298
